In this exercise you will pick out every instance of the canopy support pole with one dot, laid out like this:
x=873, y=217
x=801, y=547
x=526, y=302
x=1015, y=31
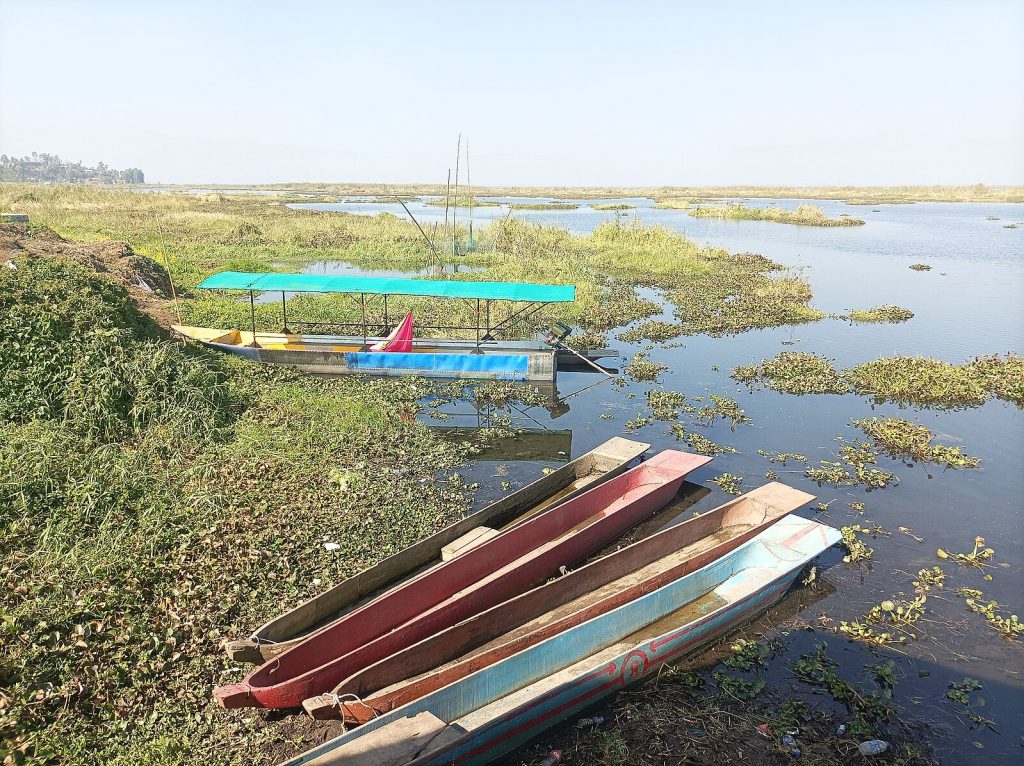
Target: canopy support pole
x=362, y=307
x=252, y=314
x=386, y=322
x=477, y=351
x=284, y=314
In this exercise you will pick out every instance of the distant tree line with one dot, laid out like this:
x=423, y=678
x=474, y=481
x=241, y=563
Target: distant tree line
x=49, y=168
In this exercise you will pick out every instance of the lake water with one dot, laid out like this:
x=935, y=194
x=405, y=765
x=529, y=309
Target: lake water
x=969, y=304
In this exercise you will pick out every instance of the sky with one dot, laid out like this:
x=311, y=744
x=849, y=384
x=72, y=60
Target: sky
x=547, y=93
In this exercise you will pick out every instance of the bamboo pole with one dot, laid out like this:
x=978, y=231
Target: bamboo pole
x=455, y=209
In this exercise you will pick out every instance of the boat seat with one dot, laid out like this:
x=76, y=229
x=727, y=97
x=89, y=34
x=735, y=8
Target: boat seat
x=394, y=744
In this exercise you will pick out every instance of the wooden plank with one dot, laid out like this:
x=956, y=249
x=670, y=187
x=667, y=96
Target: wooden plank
x=395, y=744
x=286, y=630
x=468, y=541
x=484, y=576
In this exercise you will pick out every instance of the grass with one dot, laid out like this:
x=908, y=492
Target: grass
x=155, y=499
x=920, y=267
x=804, y=215
x=614, y=206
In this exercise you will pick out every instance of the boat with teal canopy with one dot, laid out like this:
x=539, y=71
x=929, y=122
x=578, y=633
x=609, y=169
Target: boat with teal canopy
x=382, y=342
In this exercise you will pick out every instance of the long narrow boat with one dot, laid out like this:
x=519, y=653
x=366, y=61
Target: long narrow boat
x=481, y=356
x=562, y=604
x=492, y=572
x=493, y=711
x=585, y=472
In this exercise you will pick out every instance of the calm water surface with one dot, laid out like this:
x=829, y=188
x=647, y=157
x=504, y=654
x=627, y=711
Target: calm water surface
x=969, y=304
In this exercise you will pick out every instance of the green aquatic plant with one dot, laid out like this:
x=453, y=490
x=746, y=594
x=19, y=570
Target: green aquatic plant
x=614, y=206
x=894, y=314
x=976, y=558
x=728, y=482
x=665, y=405
x=1009, y=627
x=747, y=655
x=543, y=205
x=739, y=689
x=804, y=215
x=638, y=422
x=818, y=669
x=793, y=372
x=722, y=407
x=901, y=438
x=641, y=369
x=920, y=267
x=460, y=201
x=1001, y=375
x=654, y=329
x=856, y=549
x=929, y=578
x=698, y=442
x=782, y=457
x=918, y=381
x=672, y=204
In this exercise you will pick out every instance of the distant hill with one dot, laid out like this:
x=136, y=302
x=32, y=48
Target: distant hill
x=49, y=168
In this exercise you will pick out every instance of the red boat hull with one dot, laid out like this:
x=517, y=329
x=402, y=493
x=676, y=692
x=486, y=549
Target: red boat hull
x=484, y=576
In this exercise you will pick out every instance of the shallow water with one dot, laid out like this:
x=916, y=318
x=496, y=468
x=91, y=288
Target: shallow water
x=969, y=304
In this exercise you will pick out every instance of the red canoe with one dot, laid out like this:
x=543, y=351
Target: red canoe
x=493, y=572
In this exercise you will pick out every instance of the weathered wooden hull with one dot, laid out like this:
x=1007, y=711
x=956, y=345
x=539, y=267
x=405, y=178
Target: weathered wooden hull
x=430, y=358
x=493, y=711
x=585, y=472
x=488, y=574
x=562, y=604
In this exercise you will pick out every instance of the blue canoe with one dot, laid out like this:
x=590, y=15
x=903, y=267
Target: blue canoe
x=493, y=711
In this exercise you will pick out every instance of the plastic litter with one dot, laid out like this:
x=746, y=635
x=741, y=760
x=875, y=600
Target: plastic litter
x=552, y=759
x=583, y=723
x=788, y=741
x=795, y=752
x=763, y=730
x=873, y=747
x=841, y=729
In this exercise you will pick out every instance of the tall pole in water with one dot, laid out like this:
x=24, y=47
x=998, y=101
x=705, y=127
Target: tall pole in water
x=447, y=197
x=455, y=210
x=469, y=191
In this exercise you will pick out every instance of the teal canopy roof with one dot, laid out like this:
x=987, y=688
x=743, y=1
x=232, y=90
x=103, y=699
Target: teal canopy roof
x=325, y=283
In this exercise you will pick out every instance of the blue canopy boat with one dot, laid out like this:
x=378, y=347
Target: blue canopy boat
x=481, y=356
x=491, y=712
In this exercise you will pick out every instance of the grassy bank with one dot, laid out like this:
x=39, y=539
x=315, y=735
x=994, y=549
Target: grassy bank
x=716, y=291
x=155, y=499
x=804, y=215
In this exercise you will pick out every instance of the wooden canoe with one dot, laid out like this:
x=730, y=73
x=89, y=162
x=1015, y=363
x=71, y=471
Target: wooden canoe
x=543, y=612
x=286, y=630
x=493, y=711
x=488, y=574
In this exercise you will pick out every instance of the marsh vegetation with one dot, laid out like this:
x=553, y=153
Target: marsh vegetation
x=804, y=215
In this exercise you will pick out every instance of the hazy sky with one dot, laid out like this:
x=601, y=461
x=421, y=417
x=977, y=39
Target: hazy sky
x=622, y=93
